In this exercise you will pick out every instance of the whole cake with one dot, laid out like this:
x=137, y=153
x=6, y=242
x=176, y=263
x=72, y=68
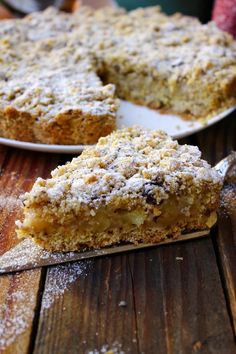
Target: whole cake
x=134, y=186
x=169, y=63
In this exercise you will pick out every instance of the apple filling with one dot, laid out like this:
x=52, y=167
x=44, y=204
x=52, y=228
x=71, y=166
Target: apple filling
x=98, y=227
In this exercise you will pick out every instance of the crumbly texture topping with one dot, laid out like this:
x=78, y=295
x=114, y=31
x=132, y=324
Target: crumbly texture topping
x=50, y=60
x=37, y=26
x=177, y=54
x=130, y=163
x=54, y=78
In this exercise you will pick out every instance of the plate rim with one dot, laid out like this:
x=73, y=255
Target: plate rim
x=73, y=149
x=210, y=122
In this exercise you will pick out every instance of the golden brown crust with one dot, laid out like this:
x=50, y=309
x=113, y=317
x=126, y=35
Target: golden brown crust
x=99, y=240
x=71, y=128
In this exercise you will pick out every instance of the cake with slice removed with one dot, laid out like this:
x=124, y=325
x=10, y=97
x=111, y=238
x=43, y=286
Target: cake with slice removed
x=53, y=95
x=134, y=186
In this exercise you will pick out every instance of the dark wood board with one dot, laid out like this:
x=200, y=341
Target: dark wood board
x=177, y=309
x=225, y=242
x=90, y=314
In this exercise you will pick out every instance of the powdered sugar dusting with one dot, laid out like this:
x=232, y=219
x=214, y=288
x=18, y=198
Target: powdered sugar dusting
x=28, y=255
x=59, y=280
x=17, y=312
x=18, y=256
x=9, y=198
x=115, y=348
x=122, y=164
x=9, y=202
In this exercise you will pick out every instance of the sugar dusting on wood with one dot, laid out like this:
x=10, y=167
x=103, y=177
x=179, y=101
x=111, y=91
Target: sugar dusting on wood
x=17, y=312
x=61, y=277
x=27, y=253
x=9, y=202
x=115, y=348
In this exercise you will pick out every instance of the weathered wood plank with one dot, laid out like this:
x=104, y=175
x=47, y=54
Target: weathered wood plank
x=179, y=300
x=226, y=245
x=3, y=154
x=18, y=301
x=87, y=314
x=216, y=143
x=19, y=292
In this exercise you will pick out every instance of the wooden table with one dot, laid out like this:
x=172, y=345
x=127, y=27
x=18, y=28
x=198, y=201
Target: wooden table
x=178, y=298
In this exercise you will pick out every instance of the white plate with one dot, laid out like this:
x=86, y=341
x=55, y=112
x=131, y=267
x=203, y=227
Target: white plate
x=130, y=114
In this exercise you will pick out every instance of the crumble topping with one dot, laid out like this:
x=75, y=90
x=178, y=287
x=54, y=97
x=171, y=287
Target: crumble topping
x=174, y=47
x=130, y=163
x=54, y=82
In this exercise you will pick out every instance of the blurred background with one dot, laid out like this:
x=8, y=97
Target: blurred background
x=223, y=12
x=198, y=8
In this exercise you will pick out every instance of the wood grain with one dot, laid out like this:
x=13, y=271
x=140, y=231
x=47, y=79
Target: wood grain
x=177, y=309
x=226, y=246
x=19, y=292
x=174, y=298
x=88, y=315
x=217, y=141
x=18, y=302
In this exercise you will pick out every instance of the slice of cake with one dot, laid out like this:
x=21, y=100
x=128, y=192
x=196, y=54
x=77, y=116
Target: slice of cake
x=134, y=186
